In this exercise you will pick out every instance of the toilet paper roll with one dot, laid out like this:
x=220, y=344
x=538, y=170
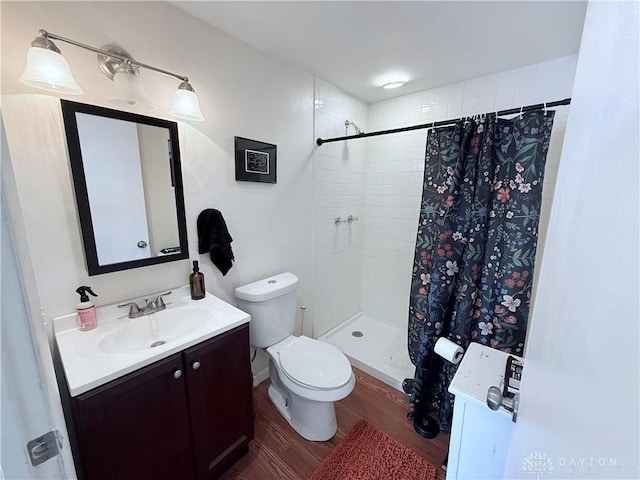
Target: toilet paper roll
x=448, y=350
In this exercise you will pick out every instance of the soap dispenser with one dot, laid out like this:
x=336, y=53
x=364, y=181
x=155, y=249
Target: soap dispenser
x=87, y=316
x=196, y=282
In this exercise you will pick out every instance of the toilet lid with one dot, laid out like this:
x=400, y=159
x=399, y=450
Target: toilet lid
x=315, y=363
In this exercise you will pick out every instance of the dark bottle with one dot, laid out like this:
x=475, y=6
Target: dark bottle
x=196, y=282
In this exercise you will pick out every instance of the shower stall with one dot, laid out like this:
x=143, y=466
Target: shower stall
x=364, y=230
x=367, y=199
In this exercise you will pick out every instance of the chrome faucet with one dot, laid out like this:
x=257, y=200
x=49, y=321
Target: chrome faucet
x=156, y=305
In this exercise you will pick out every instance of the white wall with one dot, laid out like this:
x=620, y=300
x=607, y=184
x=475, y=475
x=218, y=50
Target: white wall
x=339, y=185
x=580, y=386
x=241, y=91
x=395, y=168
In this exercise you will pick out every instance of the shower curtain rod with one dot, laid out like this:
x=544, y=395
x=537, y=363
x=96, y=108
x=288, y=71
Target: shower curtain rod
x=441, y=123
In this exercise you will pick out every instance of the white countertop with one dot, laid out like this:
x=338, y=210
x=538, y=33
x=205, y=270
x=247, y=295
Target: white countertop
x=480, y=368
x=87, y=366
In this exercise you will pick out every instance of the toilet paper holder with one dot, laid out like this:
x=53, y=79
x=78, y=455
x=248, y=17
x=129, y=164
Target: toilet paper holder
x=450, y=351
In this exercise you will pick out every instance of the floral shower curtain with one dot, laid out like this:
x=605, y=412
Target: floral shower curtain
x=476, y=245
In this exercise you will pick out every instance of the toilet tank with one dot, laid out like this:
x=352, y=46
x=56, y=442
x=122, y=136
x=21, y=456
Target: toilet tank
x=271, y=302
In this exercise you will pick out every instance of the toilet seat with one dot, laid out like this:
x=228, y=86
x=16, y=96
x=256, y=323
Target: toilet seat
x=315, y=364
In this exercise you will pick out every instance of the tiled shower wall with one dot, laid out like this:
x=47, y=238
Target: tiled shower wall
x=395, y=165
x=339, y=188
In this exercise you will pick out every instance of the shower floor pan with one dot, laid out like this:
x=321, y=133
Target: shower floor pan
x=375, y=346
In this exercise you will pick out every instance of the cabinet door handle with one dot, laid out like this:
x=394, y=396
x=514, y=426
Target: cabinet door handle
x=177, y=373
x=195, y=365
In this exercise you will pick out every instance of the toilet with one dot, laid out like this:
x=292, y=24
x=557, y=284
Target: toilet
x=307, y=375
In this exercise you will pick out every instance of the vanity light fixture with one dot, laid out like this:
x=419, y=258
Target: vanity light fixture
x=48, y=70
x=127, y=88
x=185, y=103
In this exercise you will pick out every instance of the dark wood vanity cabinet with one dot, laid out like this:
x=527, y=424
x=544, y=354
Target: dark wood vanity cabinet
x=137, y=426
x=189, y=416
x=220, y=386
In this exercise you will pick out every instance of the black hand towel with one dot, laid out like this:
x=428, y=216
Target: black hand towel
x=213, y=237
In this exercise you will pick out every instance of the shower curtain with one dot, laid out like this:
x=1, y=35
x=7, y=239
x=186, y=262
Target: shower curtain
x=476, y=245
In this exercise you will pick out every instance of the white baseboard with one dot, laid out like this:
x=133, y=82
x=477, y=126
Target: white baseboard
x=260, y=376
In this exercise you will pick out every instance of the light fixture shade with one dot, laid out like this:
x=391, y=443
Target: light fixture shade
x=49, y=70
x=128, y=90
x=186, y=105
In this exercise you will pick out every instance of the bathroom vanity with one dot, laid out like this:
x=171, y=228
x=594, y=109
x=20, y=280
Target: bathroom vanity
x=180, y=410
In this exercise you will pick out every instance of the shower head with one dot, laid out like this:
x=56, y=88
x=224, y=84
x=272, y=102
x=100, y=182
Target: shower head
x=355, y=127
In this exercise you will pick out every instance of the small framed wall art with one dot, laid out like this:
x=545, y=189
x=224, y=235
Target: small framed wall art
x=255, y=161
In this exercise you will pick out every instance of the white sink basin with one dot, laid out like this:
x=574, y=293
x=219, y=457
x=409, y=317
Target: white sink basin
x=121, y=345
x=155, y=329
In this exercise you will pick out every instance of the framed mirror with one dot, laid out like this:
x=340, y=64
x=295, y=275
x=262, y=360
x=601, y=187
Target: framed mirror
x=128, y=185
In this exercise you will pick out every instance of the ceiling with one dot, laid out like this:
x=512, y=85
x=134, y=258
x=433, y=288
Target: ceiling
x=355, y=45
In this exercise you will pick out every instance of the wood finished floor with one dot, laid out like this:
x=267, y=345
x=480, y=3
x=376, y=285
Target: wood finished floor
x=278, y=452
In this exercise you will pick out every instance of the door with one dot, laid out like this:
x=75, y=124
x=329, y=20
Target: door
x=579, y=393
x=114, y=183
x=220, y=390
x=136, y=427
x=26, y=410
